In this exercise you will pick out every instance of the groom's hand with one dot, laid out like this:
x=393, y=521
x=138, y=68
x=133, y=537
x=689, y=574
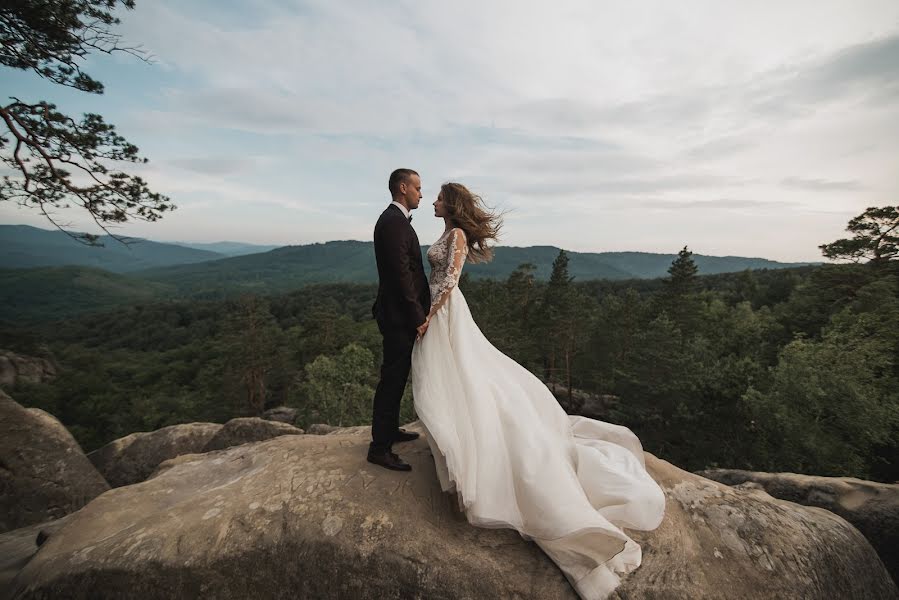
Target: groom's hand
x=421, y=329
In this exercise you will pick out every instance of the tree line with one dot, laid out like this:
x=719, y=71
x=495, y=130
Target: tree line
x=770, y=370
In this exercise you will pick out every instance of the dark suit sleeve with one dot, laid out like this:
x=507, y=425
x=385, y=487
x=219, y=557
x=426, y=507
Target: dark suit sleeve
x=397, y=244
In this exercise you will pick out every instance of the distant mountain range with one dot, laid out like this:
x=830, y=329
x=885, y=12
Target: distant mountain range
x=22, y=246
x=227, y=248
x=287, y=268
x=41, y=264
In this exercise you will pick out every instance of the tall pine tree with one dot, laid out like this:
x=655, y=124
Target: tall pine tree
x=565, y=325
x=679, y=297
x=875, y=237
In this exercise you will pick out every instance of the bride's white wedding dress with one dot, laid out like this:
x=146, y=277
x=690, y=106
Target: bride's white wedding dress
x=515, y=458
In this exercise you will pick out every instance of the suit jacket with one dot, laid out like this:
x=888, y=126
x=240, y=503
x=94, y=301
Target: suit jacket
x=404, y=297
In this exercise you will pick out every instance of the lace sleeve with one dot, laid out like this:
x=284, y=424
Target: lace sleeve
x=456, y=251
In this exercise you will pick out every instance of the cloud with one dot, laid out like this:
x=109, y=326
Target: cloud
x=869, y=70
x=214, y=166
x=601, y=184
x=720, y=204
x=721, y=147
x=564, y=112
x=821, y=185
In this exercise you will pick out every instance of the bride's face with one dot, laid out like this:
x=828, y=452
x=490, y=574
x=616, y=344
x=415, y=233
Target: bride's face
x=439, y=208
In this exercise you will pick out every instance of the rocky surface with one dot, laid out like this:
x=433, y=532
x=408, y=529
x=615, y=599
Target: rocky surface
x=284, y=414
x=871, y=506
x=44, y=474
x=594, y=406
x=248, y=429
x=599, y=407
x=18, y=546
x=307, y=517
x=133, y=458
x=325, y=429
x=322, y=429
x=364, y=431
x=18, y=367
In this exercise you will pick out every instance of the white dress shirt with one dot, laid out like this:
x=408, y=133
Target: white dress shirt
x=401, y=207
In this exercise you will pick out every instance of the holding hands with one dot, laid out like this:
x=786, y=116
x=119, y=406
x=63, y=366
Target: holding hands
x=421, y=329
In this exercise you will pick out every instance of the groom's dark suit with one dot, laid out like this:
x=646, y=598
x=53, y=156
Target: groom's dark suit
x=402, y=305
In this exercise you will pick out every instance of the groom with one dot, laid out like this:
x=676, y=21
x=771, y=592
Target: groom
x=400, y=309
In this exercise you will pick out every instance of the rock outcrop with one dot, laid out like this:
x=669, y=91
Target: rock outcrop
x=133, y=458
x=308, y=517
x=871, y=506
x=244, y=430
x=325, y=429
x=581, y=402
x=322, y=429
x=44, y=474
x=18, y=546
x=18, y=367
x=284, y=414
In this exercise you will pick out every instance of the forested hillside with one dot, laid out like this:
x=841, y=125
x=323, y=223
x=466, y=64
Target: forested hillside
x=51, y=293
x=287, y=268
x=78, y=288
x=772, y=370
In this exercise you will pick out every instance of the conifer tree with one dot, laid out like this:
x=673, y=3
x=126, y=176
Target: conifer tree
x=682, y=278
x=875, y=237
x=57, y=161
x=564, y=322
x=254, y=350
x=679, y=297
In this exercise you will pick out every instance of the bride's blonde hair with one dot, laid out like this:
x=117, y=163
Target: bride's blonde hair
x=468, y=212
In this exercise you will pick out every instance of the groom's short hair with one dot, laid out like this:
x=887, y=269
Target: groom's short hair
x=398, y=177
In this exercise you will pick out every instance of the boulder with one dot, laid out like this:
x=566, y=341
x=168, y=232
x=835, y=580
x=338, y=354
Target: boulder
x=244, y=430
x=133, y=458
x=322, y=429
x=364, y=430
x=599, y=407
x=871, y=506
x=308, y=517
x=19, y=545
x=325, y=429
x=588, y=404
x=284, y=414
x=44, y=474
x=18, y=367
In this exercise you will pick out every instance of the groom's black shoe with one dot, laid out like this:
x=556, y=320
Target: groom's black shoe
x=404, y=436
x=388, y=460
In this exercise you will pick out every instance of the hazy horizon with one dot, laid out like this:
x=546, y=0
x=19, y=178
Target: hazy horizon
x=625, y=251
x=736, y=130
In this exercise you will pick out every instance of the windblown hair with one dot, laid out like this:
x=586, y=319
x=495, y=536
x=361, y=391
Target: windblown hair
x=398, y=177
x=468, y=212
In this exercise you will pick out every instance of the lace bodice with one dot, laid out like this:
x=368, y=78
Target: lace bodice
x=446, y=255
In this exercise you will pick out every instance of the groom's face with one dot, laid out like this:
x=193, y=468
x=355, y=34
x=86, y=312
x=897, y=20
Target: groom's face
x=411, y=190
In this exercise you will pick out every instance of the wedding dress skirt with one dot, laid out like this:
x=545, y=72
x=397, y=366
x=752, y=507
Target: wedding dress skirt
x=516, y=459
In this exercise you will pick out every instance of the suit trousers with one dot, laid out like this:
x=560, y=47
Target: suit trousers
x=385, y=420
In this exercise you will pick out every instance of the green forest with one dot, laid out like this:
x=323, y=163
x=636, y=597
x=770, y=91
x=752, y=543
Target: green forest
x=772, y=370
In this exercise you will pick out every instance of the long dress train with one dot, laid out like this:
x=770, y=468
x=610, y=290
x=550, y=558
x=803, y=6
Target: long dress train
x=501, y=441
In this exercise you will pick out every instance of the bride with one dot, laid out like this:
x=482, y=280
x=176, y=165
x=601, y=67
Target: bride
x=501, y=441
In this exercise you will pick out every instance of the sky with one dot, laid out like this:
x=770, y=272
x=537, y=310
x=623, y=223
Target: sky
x=736, y=128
